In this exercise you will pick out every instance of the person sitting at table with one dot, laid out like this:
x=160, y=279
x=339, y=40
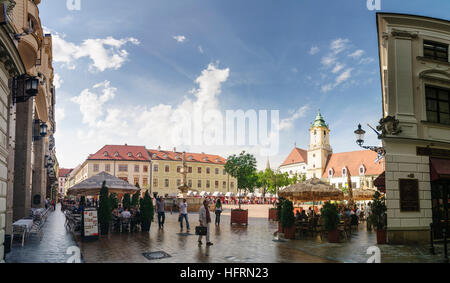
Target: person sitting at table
x=304, y=216
x=125, y=214
x=298, y=216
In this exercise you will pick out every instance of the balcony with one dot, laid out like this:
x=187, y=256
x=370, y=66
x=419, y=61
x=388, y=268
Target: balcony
x=28, y=49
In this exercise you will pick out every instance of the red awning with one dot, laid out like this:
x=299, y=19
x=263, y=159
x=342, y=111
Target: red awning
x=380, y=182
x=440, y=168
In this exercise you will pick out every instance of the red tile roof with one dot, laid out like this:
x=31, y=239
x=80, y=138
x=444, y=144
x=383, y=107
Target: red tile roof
x=195, y=157
x=297, y=155
x=353, y=160
x=124, y=150
x=108, y=152
x=63, y=172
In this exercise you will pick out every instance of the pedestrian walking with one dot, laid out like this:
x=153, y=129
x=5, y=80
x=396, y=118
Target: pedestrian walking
x=160, y=207
x=183, y=215
x=218, y=210
x=53, y=205
x=205, y=220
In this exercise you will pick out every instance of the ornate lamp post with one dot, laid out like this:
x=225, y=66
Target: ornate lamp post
x=360, y=141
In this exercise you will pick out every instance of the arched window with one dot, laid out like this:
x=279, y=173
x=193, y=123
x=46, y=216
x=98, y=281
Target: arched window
x=330, y=172
x=344, y=171
x=116, y=154
x=105, y=153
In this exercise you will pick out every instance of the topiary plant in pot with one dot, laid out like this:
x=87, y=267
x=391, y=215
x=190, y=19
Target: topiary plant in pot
x=378, y=217
x=147, y=212
x=104, y=210
x=288, y=219
x=330, y=220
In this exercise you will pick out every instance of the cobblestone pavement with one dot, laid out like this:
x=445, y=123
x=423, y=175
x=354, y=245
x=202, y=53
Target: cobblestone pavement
x=233, y=244
x=240, y=244
x=51, y=249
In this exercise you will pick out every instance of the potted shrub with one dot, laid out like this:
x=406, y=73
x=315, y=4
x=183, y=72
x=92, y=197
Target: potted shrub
x=278, y=216
x=147, y=212
x=378, y=217
x=330, y=220
x=243, y=168
x=288, y=219
x=273, y=213
x=104, y=210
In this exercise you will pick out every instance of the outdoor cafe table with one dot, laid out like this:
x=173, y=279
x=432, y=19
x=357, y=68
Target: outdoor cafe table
x=25, y=223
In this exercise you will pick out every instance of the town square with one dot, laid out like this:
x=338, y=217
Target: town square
x=224, y=132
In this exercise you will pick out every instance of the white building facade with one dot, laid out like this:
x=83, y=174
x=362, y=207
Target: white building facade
x=415, y=79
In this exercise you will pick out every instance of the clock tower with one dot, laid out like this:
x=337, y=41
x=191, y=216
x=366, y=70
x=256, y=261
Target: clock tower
x=319, y=147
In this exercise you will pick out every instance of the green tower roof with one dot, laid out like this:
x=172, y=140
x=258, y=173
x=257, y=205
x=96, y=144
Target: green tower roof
x=319, y=122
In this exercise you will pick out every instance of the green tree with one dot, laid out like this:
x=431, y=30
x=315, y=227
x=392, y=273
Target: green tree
x=243, y=168
x=135, y=199
x=114, y=201
x=104, y=210
x=147, y=212
x=126, y=201
x=278, y=180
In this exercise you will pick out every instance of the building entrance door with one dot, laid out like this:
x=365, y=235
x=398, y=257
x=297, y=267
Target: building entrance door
x=440, y=195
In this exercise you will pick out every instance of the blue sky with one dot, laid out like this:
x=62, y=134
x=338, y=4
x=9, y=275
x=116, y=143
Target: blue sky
x=125, y=67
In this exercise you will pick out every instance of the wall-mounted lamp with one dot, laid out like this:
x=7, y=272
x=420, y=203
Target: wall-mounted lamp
x=24, y=87
x=40, y=130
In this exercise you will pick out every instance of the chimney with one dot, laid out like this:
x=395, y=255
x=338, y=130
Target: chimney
x=174, y=149
x=159, y=148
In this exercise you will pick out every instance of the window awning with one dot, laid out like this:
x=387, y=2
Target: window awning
x=380, y=182
x=440, y=168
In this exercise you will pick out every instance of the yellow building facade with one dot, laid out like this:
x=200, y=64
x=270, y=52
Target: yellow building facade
x=157, y=171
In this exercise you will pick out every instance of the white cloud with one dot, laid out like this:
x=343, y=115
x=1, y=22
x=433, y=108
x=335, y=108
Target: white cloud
x=179, y=38
x=288, y=123
x=91, y=104
x=337, y=68
x=59, y=114
x=339, y=45
x=57, y=81
x=343, y=77
x=366, y=60
x=105, y=53
x=314, y=50
x=357, y=54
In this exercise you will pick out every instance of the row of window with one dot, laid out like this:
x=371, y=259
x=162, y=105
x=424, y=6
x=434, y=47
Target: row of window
x=136, y=181
x=362, y=170
x=122, y=168
x=199, y=169
x=199, y=183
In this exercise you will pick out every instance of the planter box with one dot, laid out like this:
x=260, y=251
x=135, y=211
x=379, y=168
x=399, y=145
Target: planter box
x=273, y=214
x=381, y=237
x=289, y=232
x=333, y=236
x=239, y=216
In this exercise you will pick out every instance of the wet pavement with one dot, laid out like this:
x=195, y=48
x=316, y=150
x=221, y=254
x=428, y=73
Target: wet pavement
x=51, y=249
x=232, y=244
x=254, y=243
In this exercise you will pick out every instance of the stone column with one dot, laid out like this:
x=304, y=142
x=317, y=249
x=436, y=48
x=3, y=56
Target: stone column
x=39, y=179
x=22, y=166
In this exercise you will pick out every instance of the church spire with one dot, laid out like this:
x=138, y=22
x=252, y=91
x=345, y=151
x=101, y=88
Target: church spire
x=319, y=122
x=268, y=163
